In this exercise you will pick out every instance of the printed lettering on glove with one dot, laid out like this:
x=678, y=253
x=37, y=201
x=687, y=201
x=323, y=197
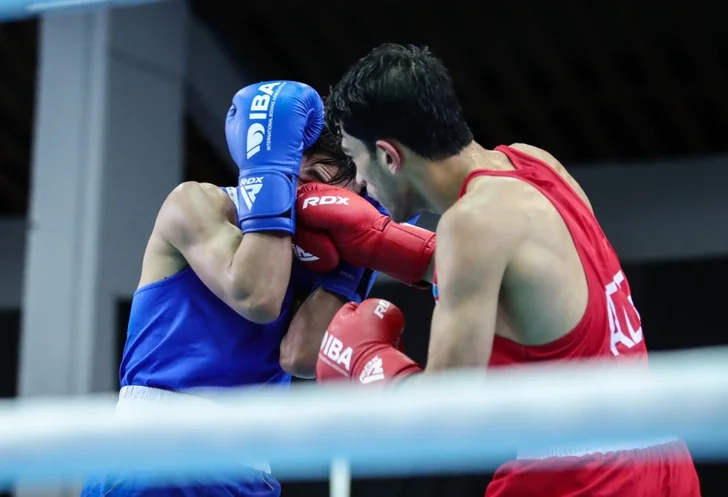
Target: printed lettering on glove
x=358, y=233
x=360, y=344
x=268, y=127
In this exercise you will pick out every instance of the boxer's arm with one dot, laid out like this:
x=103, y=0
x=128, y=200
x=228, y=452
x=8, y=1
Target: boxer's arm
x=300, y=346
x=249, y=273
x=429, y=276
x=475, y=243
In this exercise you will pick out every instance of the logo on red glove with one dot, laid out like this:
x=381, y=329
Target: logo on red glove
x=325, y=200
x=381, y=308
x=373, y=371
x=302, y=255
x=335, y=354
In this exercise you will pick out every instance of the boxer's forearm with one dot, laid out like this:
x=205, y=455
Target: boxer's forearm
x=429, y=276
x=259, y=274
x=300, y=346
x=248, y=272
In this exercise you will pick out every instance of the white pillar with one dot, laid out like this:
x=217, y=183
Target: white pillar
x=108, y=149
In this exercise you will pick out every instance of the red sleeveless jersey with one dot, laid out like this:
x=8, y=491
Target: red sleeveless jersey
x=609, y=328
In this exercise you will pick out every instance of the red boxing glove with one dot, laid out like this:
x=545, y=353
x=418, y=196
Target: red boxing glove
x=360, y=343
x=315, y=249
x=332, y=222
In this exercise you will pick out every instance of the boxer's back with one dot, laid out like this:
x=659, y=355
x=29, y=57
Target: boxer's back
x=181, y=336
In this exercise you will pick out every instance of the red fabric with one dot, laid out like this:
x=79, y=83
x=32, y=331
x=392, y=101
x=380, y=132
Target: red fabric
x=320, y=254
x=360, y=345
x=360, y=234
x=663, y=471
x=610, y=328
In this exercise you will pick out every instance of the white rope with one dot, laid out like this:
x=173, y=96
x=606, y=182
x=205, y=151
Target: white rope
x=459, y=421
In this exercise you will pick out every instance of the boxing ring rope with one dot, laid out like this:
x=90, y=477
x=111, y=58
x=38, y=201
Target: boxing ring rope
x=454, y=422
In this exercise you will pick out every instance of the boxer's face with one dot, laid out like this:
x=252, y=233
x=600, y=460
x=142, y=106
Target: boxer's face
x=316, y=168
x=374, y=171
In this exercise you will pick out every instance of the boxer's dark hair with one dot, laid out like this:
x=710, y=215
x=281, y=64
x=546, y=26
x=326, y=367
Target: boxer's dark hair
x=329, y=144
x=403, y=93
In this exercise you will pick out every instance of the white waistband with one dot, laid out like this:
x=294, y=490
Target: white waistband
x=134, y=395
x=570, y=451
x=138, y=392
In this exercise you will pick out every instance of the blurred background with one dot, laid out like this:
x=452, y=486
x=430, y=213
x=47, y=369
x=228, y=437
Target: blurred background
x=104, y=110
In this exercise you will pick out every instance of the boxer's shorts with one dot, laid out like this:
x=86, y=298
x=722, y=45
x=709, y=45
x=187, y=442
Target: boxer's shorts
x=257, y=481
x=259, y=484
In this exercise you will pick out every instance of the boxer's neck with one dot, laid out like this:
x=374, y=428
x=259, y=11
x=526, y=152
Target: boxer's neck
x=442, y=180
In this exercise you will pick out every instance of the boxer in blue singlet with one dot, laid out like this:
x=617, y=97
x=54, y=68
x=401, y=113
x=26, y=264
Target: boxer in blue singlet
x=218, y=299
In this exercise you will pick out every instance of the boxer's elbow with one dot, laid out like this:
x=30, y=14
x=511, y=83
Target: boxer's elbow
x=298, y=361
x=298, y=357
x=257, y=300
x=262, y=313
x=259, y=307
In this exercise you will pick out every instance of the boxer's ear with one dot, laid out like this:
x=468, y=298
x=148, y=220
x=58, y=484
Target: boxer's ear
x=389, y=155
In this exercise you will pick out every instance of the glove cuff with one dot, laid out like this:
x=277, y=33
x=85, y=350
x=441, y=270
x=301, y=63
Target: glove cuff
x=382, y=363
x=266, y=200
x=406, y=252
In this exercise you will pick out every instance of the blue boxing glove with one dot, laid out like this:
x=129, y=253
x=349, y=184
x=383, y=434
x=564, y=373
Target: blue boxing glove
x=267, y=129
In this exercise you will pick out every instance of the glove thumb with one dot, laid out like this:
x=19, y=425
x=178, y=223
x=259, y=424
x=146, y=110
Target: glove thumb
x=345, y=312
x=388, y=314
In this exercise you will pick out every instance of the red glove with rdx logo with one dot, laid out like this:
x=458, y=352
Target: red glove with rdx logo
x=360, y=345
x=333, y=224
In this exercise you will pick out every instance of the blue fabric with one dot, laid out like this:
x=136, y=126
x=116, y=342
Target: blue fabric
x=350, y=282
x=258, y=484
x=181, y=336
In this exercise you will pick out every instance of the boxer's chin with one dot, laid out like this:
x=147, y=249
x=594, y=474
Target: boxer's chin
x=400, y=213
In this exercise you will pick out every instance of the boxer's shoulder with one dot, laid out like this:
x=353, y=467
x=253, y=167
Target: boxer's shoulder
x=538, y=153
x=552, y=161
x=497, y=197
x=491, y=210
x=194, y=206
x=204, y=197
x=195, y=192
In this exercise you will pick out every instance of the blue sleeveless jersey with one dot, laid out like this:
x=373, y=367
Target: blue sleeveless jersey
x=181, y=336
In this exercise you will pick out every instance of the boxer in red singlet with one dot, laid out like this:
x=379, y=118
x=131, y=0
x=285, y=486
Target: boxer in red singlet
x=524, y=271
